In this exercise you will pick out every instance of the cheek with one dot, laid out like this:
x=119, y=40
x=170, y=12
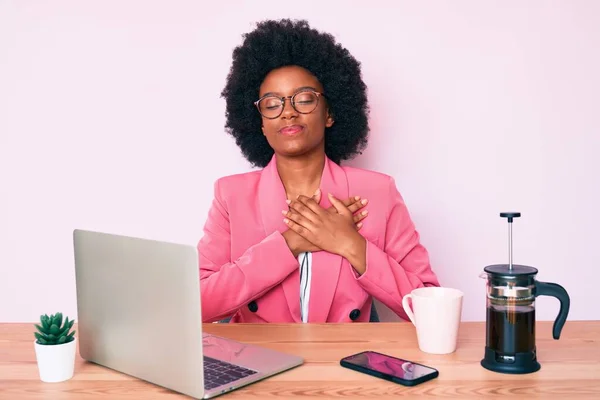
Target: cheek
x=269, y=127
x=319, y=120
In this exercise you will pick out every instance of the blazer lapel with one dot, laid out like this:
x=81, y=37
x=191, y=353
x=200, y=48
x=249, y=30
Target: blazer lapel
x=326, y=266
x=271, y=198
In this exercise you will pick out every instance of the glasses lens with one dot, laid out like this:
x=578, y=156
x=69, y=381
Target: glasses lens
x=305, y=102
x=270, y=106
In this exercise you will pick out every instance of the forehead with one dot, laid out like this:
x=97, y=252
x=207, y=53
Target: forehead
x=285, y=81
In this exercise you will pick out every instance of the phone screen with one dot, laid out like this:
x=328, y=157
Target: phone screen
x=388, y=365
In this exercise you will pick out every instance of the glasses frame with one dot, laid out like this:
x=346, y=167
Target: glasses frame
x=292, y=102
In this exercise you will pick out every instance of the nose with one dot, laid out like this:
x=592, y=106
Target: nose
x=288, y=110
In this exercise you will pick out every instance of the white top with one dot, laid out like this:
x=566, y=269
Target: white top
x=305, y=261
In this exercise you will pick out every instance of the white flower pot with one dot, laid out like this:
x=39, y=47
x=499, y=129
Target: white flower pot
x=56, y=362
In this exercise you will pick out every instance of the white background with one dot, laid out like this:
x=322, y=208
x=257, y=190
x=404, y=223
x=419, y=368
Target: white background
x=111, y=119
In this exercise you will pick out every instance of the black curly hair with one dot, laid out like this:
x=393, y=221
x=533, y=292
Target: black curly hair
x=275, y=44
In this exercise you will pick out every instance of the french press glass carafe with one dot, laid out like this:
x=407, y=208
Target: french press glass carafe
x=510, y=322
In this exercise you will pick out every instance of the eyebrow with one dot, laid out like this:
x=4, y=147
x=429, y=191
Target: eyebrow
x=295, y=90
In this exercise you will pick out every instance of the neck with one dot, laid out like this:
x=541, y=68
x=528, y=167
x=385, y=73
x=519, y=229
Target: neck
x=301, y=175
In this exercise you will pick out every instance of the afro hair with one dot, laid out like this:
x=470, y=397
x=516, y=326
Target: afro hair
x=274, y=44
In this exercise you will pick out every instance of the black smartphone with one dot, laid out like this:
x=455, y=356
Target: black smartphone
x=390, y=368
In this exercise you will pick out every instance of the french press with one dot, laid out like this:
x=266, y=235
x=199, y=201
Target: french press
x=510, y=320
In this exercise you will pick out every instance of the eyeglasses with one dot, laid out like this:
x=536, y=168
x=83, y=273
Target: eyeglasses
x=304, y=102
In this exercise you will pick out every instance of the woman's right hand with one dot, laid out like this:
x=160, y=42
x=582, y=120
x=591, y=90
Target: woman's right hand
x=298, y=244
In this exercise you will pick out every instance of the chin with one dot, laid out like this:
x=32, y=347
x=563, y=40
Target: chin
x=295, y=148
x=292, y=152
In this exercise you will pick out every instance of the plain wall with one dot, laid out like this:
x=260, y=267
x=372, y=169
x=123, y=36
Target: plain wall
x=111, y=119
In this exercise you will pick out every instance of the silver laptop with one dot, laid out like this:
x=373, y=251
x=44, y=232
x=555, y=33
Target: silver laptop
x=138, y=306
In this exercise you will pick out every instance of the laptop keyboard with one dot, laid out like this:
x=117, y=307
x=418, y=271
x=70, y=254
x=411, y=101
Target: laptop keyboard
x=217, y=373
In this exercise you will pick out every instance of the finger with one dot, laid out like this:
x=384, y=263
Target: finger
x=300, y=230
x=350, y=200
x=354, y=207
x=360, y=216
x=317, y=196
x=339, y=206
x=299, y=219
x=347, y=202
x=311, y=204
x=359, y=225
x=352, y=203
x=301, y=209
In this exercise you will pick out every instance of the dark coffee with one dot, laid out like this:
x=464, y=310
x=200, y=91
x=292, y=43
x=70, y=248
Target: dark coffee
x=511, y=331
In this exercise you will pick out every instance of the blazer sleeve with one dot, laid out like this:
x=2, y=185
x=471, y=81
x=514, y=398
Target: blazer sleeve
x=226, y=284
x=403, y=263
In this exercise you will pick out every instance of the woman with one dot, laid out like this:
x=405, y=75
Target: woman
x=293, y=242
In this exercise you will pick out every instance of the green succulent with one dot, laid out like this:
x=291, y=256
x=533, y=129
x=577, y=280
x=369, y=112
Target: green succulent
x=53, y=331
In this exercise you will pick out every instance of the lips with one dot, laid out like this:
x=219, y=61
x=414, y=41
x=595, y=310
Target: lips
x=291, y=130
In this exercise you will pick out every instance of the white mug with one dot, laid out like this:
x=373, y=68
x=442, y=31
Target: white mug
x=436, y=313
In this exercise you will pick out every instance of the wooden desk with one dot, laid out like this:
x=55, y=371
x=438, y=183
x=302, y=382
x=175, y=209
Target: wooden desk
x=570, y=366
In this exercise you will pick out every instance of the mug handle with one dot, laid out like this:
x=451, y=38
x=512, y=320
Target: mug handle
x=407, y=308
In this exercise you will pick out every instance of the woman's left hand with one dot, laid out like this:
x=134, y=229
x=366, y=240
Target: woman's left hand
x=332, y=230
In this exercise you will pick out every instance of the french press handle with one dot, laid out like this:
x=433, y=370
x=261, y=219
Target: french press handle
x=555, y=290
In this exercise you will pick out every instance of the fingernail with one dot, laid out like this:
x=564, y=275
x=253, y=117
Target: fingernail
x=364, y=201
x=365, y=212
x=317, y=192
x=288, y=201
x=286, y=220
x=284, y=212
x=359, y=225
x=357, y=198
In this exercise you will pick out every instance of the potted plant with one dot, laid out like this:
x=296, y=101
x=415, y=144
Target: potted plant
x=55, y=348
